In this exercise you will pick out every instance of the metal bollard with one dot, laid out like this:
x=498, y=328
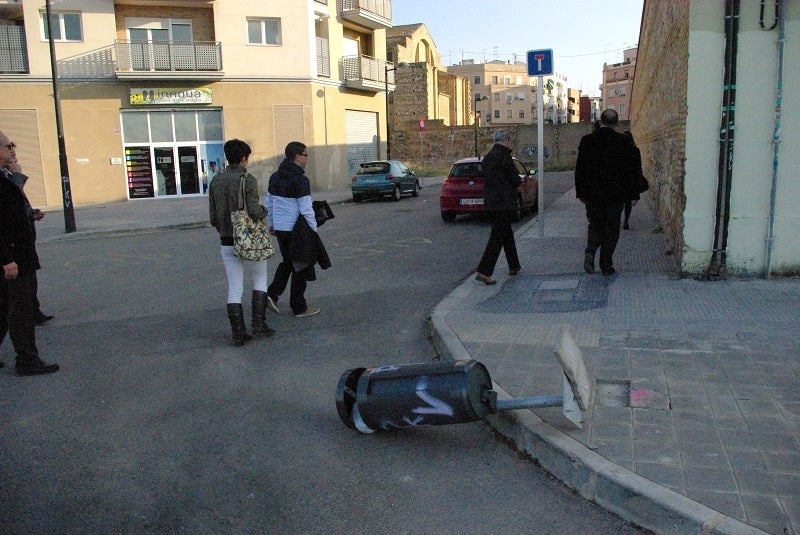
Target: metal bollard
x=412, y=395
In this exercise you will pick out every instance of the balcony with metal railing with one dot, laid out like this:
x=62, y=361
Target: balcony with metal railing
x=13, y=51
x=184, y=60
x=374, y=14
x=367, y=74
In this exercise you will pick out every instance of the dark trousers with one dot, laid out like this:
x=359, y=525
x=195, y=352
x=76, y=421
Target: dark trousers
x=628, y=208
x=501, y=237
x=286, y=270
x=603, y=231
x=17, y=314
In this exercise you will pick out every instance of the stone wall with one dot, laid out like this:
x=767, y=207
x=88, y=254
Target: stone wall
x=440, y=145
x=659, y=111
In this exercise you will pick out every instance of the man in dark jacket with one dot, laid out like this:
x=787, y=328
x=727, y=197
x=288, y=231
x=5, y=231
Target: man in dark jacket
x=604, y=175
x=289, y=198
x=500, y=191
x=20, y=261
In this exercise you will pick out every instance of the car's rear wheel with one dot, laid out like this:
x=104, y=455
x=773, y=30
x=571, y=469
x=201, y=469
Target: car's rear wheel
x=396, y=193
x=448, y=216
x=415, y=191
x=517, y=210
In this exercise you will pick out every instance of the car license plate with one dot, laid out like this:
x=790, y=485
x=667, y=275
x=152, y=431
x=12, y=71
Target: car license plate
x=470, y=201
x=370, y=180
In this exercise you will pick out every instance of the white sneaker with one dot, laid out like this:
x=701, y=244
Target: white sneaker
x=310, y=311
x=272, y=305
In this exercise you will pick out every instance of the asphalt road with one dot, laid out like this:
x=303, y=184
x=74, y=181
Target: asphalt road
x=156, y=424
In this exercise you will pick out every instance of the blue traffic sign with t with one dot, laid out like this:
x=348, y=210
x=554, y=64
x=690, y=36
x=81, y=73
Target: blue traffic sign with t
x=540, y=62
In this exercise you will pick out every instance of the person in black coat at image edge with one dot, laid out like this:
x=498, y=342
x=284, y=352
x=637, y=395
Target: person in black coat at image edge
x=605, y=174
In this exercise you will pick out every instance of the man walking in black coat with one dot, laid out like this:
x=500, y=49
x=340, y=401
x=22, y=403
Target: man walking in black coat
x=20, y=262
x=604, y=175
x=500, y=191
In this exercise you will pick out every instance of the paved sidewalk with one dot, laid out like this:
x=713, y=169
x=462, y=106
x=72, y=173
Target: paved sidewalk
x=695, y=422
x=694, y=425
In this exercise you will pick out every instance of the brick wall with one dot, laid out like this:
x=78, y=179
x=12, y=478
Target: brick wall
x=659, y=109
x=441, y=145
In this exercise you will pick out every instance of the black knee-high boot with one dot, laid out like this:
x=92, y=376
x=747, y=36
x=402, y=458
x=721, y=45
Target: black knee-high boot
x=238, y=328
x=260, y=327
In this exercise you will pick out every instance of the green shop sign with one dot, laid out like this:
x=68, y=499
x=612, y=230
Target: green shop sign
x=146, y=96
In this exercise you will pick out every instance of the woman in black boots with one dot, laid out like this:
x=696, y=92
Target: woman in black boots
x=223, y=198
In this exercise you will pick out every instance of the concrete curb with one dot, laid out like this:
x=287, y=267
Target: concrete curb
x=617, y=489
x=86, y=234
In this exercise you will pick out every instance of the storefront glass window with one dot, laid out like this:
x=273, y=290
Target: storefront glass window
x=161, y=126
x=135, y=126
x=185, y=128
x=210, y=124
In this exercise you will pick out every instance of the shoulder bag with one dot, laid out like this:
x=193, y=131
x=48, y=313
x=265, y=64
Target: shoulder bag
x=251, y=239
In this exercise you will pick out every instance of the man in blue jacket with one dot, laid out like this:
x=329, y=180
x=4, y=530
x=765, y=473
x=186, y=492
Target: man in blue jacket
x=289, y=198
x=20, y=261
x=604, y=175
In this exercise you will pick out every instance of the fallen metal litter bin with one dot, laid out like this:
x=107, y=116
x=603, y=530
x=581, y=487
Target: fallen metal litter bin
x=412, y=395
x=443, y=393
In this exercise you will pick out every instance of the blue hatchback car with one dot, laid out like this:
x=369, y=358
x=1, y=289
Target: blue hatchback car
x=385, y=178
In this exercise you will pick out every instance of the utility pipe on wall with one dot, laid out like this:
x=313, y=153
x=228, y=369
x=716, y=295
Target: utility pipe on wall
x=716, y=267
x=776, y=136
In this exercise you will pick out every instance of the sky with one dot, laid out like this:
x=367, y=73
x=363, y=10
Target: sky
x=583, y=34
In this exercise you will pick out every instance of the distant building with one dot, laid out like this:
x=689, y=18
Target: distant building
x=511, y=94
x=618, y=83
x=424, y=89
x=590, y=109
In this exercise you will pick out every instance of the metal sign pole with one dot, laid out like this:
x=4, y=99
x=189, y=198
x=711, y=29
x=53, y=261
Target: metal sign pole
x=540, y=151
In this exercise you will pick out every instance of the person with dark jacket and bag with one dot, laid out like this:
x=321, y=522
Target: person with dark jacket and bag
x=224, y=195
x=500, y=191
x=605, y=174
x=20, y=261
x=288, y=200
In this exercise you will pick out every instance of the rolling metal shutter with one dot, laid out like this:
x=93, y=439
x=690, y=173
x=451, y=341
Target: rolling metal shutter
x=361, y=134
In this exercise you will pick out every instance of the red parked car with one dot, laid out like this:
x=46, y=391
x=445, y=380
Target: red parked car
x=462, y=190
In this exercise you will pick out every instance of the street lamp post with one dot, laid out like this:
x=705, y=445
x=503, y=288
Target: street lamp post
x=477, y=120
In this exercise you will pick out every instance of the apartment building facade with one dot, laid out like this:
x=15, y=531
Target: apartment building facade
x=504, y=94
x=618, y=83
x=150, y=91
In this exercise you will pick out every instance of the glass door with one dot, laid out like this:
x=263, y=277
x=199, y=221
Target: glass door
x=165, y=171
x=187, y=164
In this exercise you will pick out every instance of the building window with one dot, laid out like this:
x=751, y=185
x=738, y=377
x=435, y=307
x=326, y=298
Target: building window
x=494, y=80
x=521, y=114
x=509, y=114
x=521, y=96
x=496, y=97
x=509, y=98
x=66, y=26
x=507, y=80
x=476, y=80
x=622, y=109
x=264, y=31
x=496, y=114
